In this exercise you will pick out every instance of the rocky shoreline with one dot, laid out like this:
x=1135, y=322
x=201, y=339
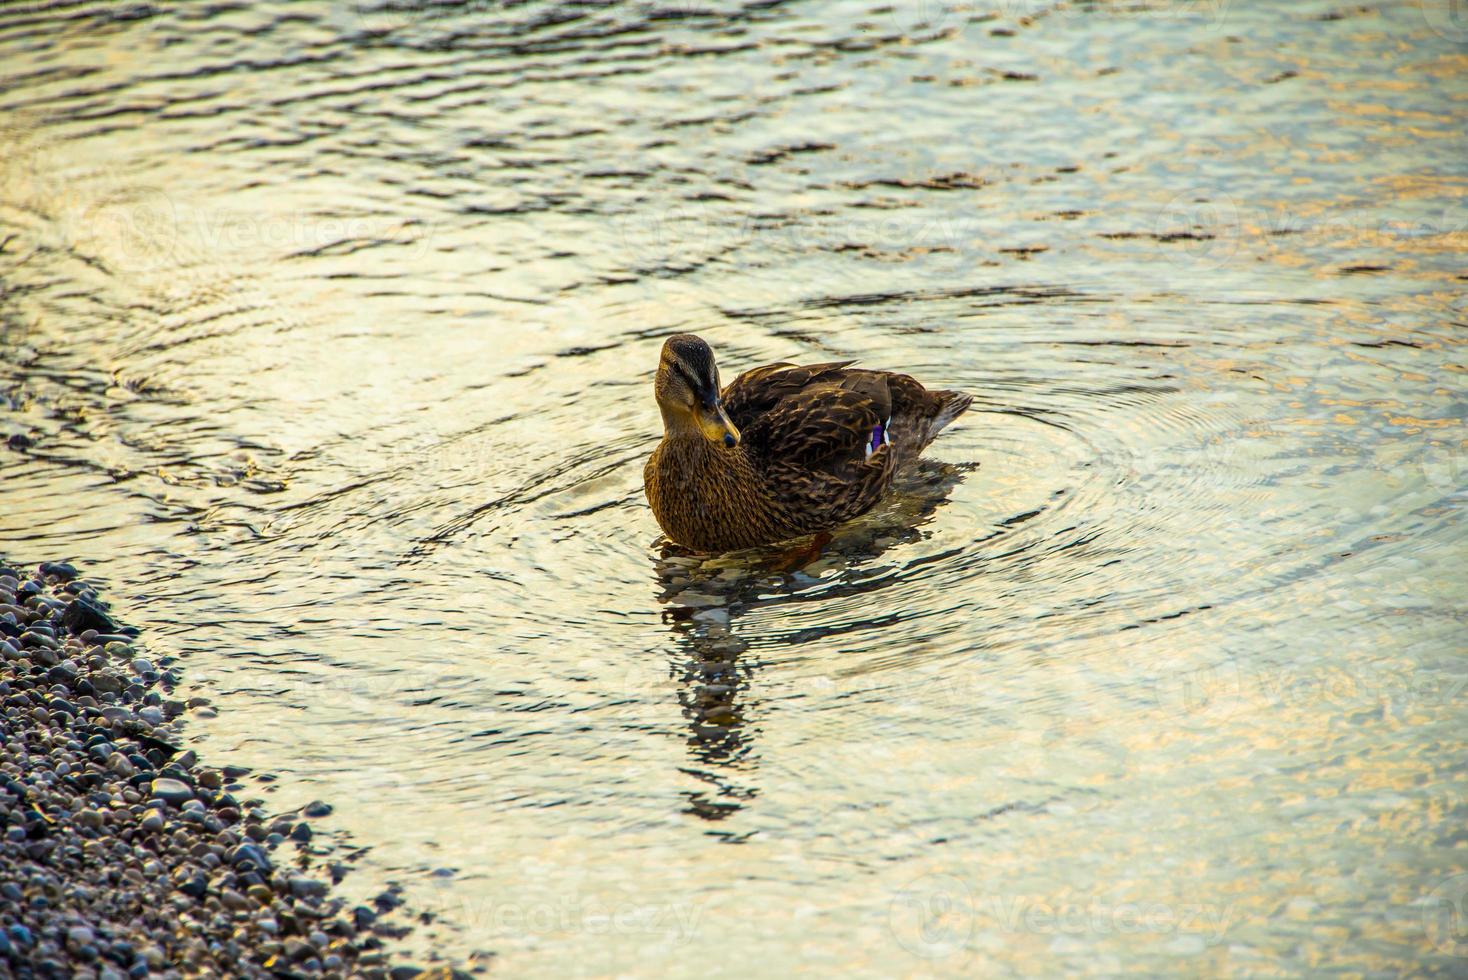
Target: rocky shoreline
x=121, y=854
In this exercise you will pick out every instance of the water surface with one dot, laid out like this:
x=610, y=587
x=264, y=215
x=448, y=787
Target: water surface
x=333, y=327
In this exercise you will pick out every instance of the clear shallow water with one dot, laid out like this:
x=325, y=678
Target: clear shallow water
x=334, y=329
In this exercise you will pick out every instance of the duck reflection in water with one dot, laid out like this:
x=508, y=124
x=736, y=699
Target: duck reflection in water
x=705, y=598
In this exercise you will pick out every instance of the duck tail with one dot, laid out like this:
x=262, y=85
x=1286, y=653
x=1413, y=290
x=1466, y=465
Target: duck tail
x=952, y=404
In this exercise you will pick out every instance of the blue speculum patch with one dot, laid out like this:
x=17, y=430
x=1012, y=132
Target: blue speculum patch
x=879, y=438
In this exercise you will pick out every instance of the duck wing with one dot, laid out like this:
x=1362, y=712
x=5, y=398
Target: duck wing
x=822, y=417
x=760, y=389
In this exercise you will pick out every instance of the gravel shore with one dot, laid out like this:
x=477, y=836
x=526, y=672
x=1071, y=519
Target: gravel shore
x=122, y=854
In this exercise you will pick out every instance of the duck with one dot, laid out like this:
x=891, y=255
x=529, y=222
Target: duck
x=782, y=451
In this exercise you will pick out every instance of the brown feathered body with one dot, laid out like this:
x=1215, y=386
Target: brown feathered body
x=820, y=445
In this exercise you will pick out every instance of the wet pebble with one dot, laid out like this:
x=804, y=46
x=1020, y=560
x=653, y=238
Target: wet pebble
x=303, y=887
x=128, y=858
x=171, y=790
x=65, y=571
x=249, y=853
x=718, y=617
x=83, y=616
x=33, y=638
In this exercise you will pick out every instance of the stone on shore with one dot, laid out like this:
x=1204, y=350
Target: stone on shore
x=122, y=856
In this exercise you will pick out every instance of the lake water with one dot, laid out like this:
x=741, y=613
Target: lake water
x=333, y=326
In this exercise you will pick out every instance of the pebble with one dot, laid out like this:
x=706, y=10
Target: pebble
x=85, y=616
x=127, y=857
x=303, y=887
x=194, y=885
x=64, y=571
x=171, y=790
x=249, y=853
x=699, y=600
x=35, y=638
x=718, y=617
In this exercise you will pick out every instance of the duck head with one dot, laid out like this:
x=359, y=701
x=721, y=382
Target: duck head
x=687, y=390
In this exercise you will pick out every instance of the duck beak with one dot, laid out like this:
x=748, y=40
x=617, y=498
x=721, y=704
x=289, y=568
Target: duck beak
x=715, y=422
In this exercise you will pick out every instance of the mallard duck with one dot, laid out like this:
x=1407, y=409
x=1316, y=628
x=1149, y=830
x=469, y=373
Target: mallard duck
x=784, y=450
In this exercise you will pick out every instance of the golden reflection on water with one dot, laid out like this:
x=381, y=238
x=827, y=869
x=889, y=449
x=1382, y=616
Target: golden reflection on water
x=333, y=326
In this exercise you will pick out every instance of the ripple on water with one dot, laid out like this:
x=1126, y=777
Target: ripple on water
x=332, y=325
